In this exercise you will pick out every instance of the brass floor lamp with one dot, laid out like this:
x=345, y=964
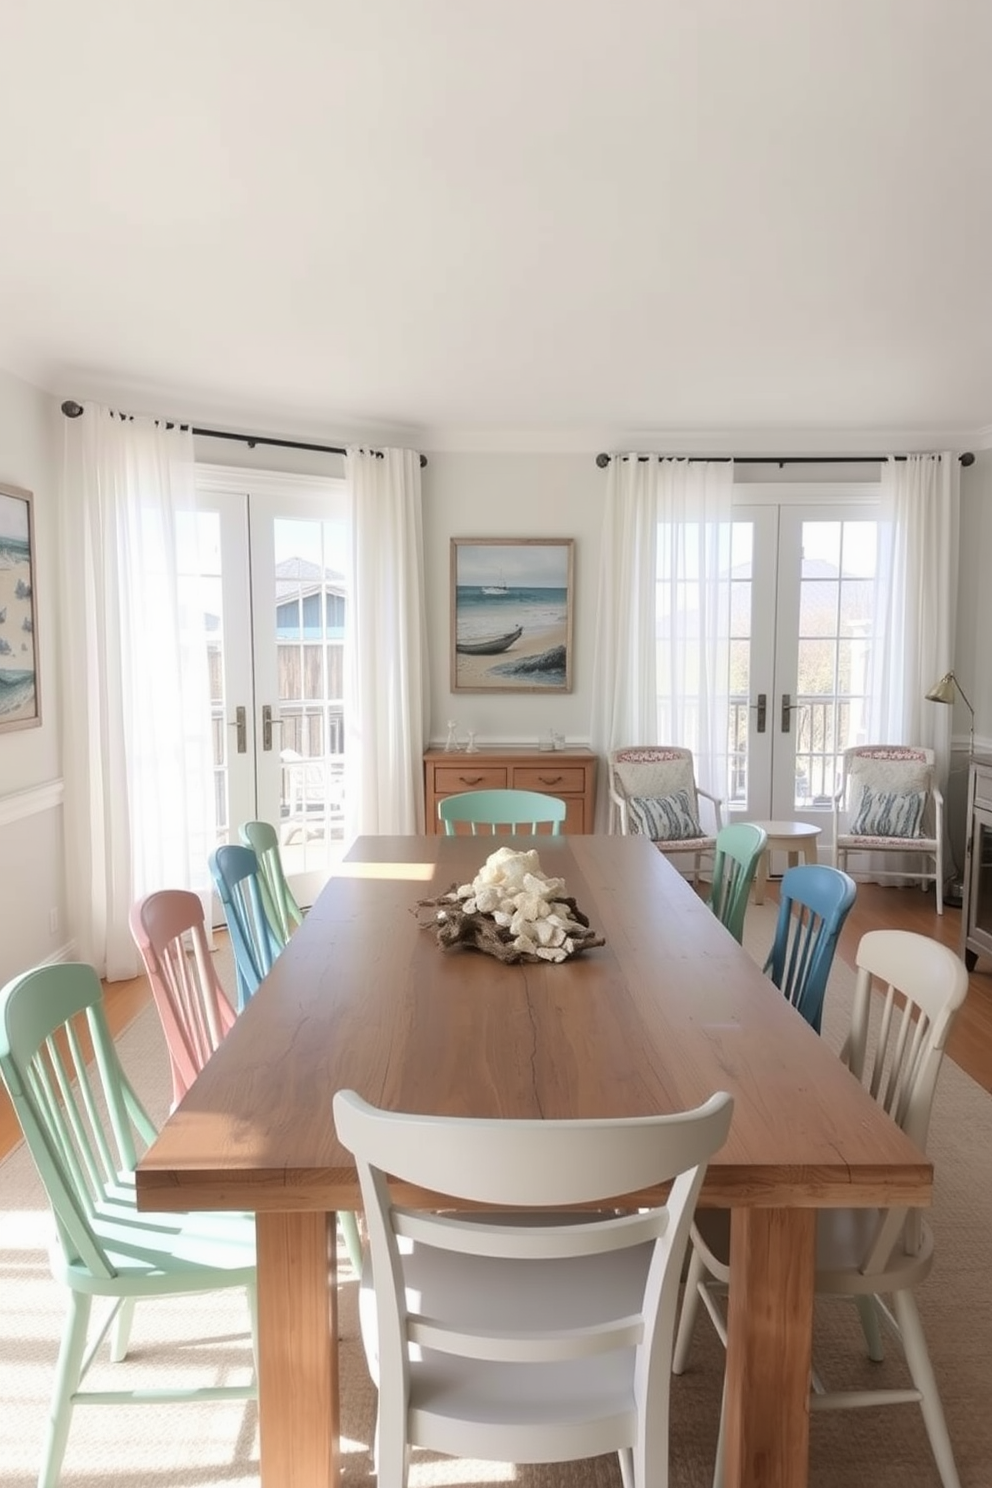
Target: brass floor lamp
x=946, y=691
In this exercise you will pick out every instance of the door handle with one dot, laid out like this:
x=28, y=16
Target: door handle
x=787, y=708
x=267, y=724
x=761, y=708
x=240, y=722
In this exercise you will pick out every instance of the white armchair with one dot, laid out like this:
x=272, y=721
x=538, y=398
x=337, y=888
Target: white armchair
x=653, y=792
x=889, y=802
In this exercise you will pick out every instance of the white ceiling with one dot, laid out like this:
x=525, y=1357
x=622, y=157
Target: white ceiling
x=527, y=221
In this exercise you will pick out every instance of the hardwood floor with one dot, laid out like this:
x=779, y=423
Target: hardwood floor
x=876, y=907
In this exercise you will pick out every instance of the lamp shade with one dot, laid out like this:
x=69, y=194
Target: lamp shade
x=944, y=691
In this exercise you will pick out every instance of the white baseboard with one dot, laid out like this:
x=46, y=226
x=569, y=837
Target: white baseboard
x=65, y=952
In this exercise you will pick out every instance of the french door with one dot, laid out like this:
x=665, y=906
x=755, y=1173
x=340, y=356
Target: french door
x=804, y=624
x=276, y=562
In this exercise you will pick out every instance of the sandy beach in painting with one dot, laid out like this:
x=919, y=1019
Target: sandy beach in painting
x=17, y=696
x=480, y=671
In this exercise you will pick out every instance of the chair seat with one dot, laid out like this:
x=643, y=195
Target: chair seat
x=843, y=1238
x=888, y=844
x=523, y=1412
x=192, y=1247
x=590, y=1400
x=684, y=844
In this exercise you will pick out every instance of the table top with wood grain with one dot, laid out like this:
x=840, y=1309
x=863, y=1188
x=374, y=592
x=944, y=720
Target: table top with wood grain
x=669, y=1010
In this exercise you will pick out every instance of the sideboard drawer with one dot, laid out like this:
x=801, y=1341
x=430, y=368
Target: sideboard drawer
x=548, y=779
x=451, y=779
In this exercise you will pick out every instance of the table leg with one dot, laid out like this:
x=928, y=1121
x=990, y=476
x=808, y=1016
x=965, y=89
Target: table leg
x=769, y=1347
x=298, y=1397
x=761, y=878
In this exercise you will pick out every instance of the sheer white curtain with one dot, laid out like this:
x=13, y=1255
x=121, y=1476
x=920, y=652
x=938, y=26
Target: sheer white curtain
x=661, y=665
x=917, y=599
x=388, y=706
x=138, y=765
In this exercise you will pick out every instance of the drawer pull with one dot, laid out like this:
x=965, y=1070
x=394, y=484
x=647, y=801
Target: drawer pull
x=470, y=779
x=549, y=779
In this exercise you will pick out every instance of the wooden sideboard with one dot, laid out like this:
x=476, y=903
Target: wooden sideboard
x=976, y=906
x=569, y=774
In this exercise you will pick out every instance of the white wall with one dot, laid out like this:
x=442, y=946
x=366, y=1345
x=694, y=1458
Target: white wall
x=31, y=872
x=502, y=495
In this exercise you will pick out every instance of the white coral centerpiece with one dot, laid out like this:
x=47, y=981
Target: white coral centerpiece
x=526, y=903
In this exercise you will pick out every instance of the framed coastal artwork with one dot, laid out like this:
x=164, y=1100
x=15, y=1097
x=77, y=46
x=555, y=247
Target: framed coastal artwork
x=20, y=705
x=511, y=614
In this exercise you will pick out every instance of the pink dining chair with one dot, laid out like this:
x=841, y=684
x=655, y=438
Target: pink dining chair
x=195, y=1012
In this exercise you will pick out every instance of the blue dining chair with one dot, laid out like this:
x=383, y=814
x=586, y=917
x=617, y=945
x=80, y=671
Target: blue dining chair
x=254, y=940
x=519, y=810
x=735, y=862
x=814, y=902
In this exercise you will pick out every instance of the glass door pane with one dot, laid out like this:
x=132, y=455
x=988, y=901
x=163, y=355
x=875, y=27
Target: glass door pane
x=803, y=620
x=274, y=584
x=823, y=651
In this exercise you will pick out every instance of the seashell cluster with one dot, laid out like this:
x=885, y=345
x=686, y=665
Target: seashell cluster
x=525, y=903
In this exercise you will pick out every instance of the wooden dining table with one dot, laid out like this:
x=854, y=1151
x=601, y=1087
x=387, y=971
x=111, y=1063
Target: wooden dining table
x=667, y=1011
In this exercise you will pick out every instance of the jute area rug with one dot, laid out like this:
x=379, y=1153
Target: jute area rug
x=216, y=1445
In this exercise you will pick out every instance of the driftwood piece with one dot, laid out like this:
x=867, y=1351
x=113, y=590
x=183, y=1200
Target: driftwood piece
x=479, y=932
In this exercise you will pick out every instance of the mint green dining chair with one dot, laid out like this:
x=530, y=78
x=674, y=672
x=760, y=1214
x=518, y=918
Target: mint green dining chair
x=515, y=810
x=83, y=1125
x=738, y=853
x=277, y=897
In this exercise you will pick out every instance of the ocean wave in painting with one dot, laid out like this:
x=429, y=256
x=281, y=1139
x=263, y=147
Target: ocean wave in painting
x=16, y=690
x=13, y=551
x=481, y=614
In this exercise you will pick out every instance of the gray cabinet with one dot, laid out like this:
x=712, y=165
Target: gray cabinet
x=976, y=907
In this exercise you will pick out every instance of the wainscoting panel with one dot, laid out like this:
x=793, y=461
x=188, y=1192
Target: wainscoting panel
x=33, y=925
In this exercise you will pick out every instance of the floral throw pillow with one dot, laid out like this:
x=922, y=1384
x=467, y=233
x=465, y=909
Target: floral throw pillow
x=665, y=818
x=889, y=814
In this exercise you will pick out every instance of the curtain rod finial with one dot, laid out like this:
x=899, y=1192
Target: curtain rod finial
x=602, y=460
x=71, y=409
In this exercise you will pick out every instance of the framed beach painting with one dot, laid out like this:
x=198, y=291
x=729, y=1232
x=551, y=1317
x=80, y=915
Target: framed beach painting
x=20, y=705
x=511, y=614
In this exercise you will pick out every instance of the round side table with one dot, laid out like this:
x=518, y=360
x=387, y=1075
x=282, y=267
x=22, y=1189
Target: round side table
x=791, y=837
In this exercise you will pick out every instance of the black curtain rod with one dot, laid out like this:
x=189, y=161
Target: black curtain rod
x=73, y=410
x=602, y=460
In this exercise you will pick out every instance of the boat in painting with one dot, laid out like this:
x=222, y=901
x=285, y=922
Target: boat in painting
x=498, y=588
x=489, y=645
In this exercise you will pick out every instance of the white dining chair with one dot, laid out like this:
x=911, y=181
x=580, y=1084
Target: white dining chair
x=895, y=1047
x=525, y=1336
